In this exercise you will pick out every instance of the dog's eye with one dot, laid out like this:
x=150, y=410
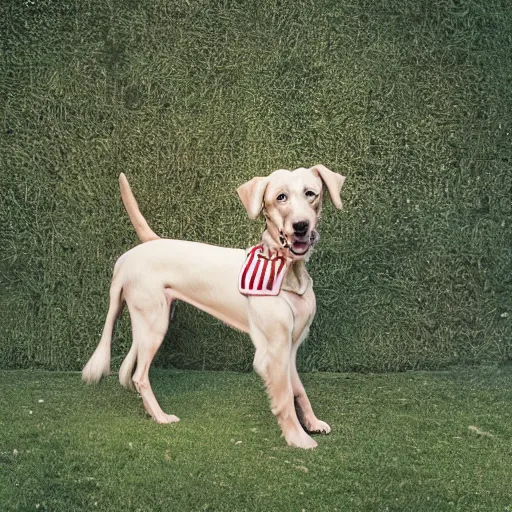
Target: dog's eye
x=282, y=197
x=310, y=194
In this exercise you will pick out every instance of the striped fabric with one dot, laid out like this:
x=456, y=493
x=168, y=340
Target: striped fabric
x=262, y=274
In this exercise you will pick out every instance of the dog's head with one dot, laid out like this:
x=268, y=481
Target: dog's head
x=291, y=202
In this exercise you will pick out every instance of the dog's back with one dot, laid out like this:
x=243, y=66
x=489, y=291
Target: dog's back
x=203, y=275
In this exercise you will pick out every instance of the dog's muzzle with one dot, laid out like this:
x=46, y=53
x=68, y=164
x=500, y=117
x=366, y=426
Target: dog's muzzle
x=299, y=247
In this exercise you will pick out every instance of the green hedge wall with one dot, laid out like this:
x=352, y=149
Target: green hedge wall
x=411, y=100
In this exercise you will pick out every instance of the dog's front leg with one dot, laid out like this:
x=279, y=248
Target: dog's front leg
x=308, y=417
x=271, y=334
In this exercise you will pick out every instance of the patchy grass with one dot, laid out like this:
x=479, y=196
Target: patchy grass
x=409, y=441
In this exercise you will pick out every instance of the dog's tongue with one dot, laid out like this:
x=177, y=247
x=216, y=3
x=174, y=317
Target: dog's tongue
x=300, y=247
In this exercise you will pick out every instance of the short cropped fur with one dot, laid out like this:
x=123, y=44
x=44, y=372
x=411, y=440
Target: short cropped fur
x=149, y=277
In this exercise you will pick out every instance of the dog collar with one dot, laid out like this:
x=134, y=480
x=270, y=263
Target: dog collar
x=262, y=274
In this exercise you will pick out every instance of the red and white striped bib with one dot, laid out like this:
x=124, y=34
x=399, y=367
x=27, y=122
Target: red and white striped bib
x=262, y=274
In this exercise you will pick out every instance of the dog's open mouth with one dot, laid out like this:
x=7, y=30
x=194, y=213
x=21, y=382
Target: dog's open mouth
x=300, y=248
x=301, y=244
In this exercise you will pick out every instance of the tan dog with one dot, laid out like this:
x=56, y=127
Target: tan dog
x=151, y=275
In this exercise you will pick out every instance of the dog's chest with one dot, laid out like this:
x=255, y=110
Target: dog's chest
x=303, y=307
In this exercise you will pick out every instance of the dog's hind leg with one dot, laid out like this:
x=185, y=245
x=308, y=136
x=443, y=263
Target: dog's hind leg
x=149, y=326
x=126, y=370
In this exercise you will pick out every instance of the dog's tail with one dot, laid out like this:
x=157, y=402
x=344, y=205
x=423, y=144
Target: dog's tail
x=144, y=232
x=99, y=363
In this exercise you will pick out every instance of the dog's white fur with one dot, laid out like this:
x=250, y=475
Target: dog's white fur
x=151, y=275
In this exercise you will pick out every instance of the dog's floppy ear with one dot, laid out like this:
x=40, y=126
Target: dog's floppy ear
x=333, y=181
x=251, y=194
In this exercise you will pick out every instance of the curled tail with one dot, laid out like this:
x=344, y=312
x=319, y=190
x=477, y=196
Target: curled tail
x=144, y=232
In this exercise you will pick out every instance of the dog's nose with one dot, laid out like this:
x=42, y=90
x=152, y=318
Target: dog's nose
x=300, y=228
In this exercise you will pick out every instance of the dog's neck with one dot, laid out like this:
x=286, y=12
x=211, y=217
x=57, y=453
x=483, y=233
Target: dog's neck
x=296, y=280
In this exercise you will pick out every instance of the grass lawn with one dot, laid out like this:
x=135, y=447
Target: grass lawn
x=409, y=441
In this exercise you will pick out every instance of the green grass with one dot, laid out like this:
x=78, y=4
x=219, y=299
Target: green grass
x=412, y=441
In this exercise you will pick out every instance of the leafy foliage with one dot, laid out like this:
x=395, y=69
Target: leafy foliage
x=410, y=100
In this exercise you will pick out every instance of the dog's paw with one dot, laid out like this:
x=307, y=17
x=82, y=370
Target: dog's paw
x=301, y=440
x=167, y=418
x=318, y=427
